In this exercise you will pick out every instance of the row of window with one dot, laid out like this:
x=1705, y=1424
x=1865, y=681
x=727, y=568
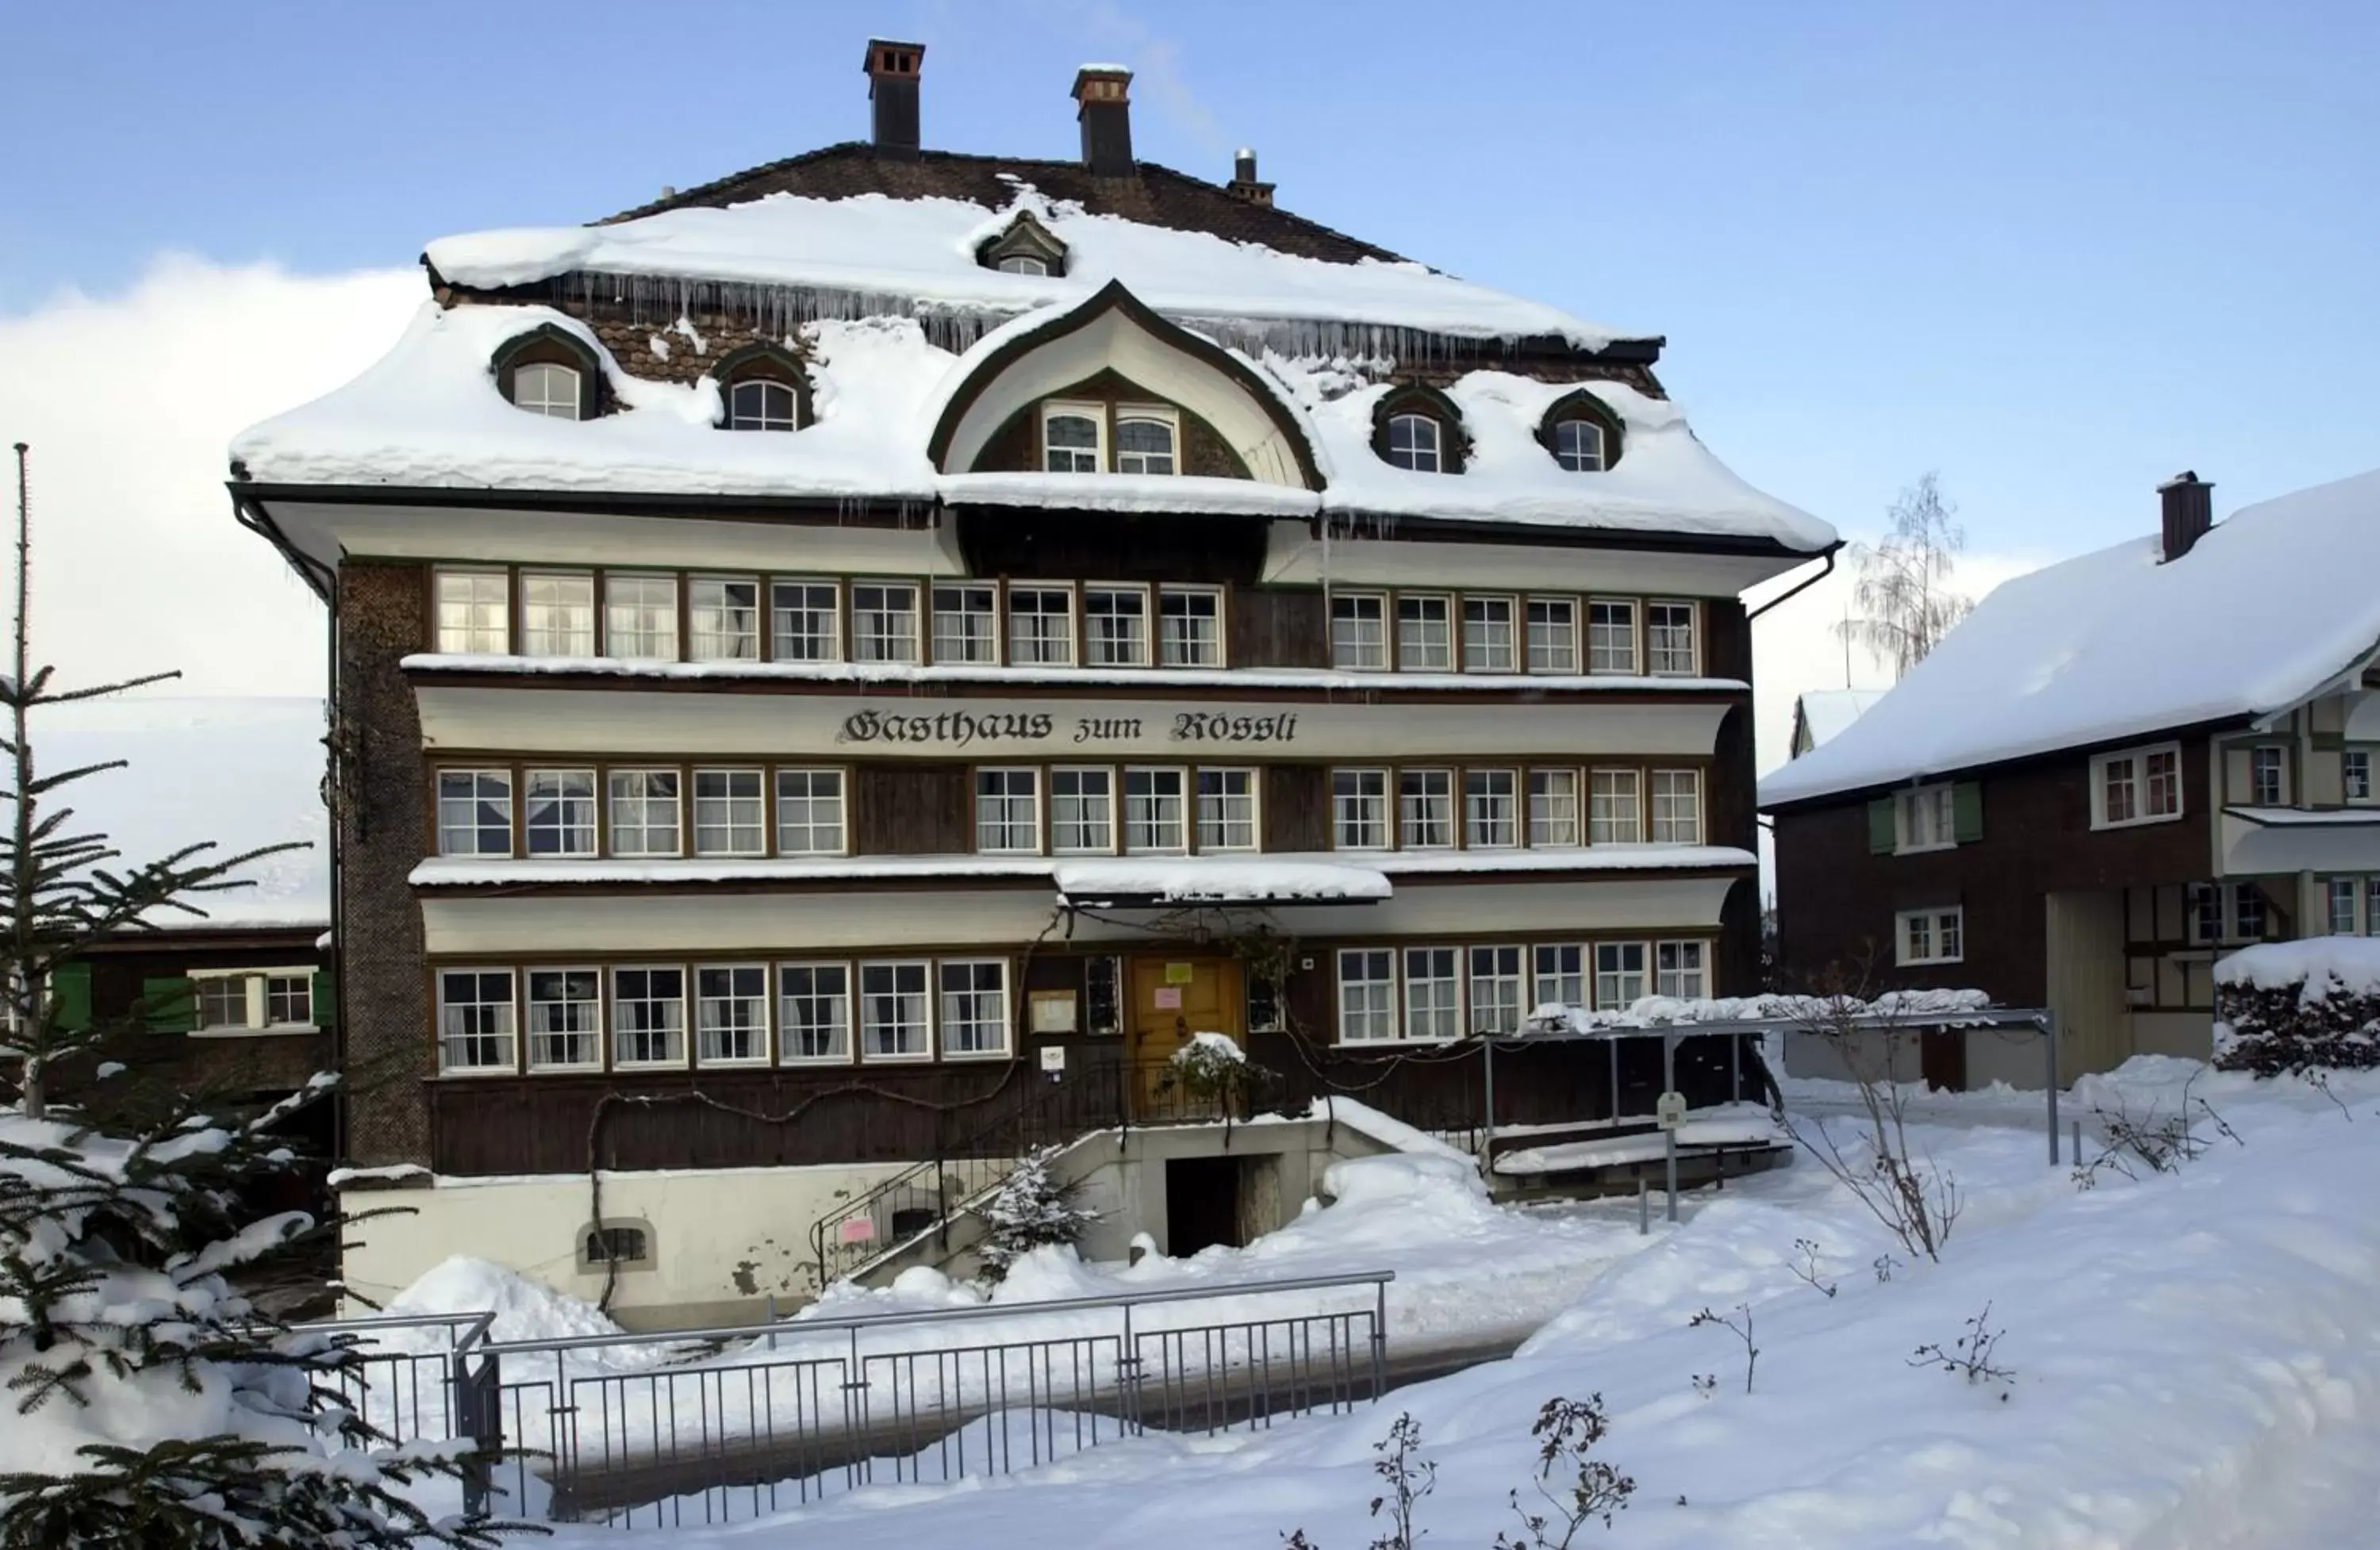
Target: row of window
x=1065, y=810
x=1078, y=438
x=2214, y=913
x=1436, y=993
x=648, y=616
x=653, y=616
x=2129, y=787
x=253, y=1000
x=1440, y=632
x=662, y=1016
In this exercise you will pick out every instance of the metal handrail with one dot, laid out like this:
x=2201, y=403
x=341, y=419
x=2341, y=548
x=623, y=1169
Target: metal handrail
x=475, y=1325
x=1379, y=1280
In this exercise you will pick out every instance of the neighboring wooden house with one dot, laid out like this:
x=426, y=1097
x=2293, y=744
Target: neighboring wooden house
x=830, y=653
x=2115, y=770
x=237, y=1001
x=1820, y=714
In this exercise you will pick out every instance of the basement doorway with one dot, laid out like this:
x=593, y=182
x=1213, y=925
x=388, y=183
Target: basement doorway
x=1230, y=1201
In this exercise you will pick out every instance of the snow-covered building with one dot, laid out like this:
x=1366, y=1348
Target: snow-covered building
x=1819, y=714
x=2115, y=770
x=235, y=1000
x=830, y=653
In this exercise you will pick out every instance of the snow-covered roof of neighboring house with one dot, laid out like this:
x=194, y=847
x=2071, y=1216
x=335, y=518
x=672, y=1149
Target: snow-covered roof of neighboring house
x=243, y=773
x=1820, y=714
x=2268, y=609
x=428, y=416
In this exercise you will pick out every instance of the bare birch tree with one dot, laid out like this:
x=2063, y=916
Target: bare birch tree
x=1904, y=597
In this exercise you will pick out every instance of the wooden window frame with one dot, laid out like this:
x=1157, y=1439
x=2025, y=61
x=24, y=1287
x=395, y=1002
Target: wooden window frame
x=767, y=1031
x=774, y=798
x=609, y=844
x=602, y=1034
x=612, y=972
x=850, y=1056
x=932, y=1000
x=1460, y=962
x=943, y=1054
x=2104, y=766
x=935, y=614
x=522, y=631
x=919, y=636
x=1449, y=601
x=502, y=575
x=836, y=649
x=596, y=830
x=760, y=772
x=1636, y=775
x=1124, y=809
x=1577, y=633
x=763, y=614
x=1387, y=622
x=1040, y=821
x=1934, y=916
x=1255, y=774
x=607, y=643
x=1070, y=408
x=438, y=1004
x=1652, y=804
x=1147, y=596
x=1395, y=982
x=1389, y=799
x=1115, y=808
x=1155, y=413
x=1221, y=599
x=1635, y=607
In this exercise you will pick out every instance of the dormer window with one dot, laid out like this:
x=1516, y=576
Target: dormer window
x=1414, y=442
x=1580, y=432
x=1416, y=427
x=546, y=388
x=550, y=370
x=1578, y=445
x=1025, y=248
x=762, y=387
x=1071, y=438
x=1145, y=443
x=760, y=405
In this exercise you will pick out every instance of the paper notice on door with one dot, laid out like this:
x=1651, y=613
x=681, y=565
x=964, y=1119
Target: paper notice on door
x=1180, y=974
x=1169, y=997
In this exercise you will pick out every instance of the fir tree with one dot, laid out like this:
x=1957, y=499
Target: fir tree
x=149, y=1403
x=1030, y=1210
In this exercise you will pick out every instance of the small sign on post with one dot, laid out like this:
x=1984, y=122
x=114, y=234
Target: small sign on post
x=1670, y=1110
x=1053, y=1058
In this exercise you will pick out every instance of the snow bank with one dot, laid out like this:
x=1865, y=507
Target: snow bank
x=526, y=1309
x=2192, y=1360
x=2316, y=967
x=2115, y=644
x=1937, y=1007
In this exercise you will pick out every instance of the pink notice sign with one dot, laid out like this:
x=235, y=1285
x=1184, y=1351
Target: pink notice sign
x=1169, y=997
x=859, y=1229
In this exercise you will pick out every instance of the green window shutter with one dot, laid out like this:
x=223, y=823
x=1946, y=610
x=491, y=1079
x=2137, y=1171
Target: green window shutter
x=327, y=999
x=70, y=994
x=1967, y=811
x=170, y=1005
x=1882, y=837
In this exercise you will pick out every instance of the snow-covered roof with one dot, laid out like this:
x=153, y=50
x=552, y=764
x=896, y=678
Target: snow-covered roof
x=2268, y=609
x=241, y=773
x=429, y=414
x=1820, y=714
x=886, y=254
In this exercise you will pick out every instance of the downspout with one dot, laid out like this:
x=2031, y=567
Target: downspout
x=1800, y=587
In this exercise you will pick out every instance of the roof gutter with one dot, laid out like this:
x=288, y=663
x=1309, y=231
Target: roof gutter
x=249, y=514
x=1800, y=587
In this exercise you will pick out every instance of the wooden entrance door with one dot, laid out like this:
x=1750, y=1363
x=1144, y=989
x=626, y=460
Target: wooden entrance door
x=1173, y=998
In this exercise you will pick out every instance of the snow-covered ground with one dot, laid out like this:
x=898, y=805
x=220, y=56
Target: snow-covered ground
x=2194, y=1357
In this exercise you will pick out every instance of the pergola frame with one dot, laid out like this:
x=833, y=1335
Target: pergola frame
x=2040, y=1020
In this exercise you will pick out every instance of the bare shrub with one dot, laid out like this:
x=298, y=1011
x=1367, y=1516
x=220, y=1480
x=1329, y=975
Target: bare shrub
x=2157, y=1139
x=1971, y=1355
x=1806, y=1267
x=1916, y=1200
x=1567, y=1431
x=1738, y=1323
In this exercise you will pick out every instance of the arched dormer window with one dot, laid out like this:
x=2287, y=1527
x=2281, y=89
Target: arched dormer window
x=1419, y=427
x=549, y=371
x=1025, y=248
x=1146, y=440
x=1580, y=432
x=762, y=387
x=1071, y=439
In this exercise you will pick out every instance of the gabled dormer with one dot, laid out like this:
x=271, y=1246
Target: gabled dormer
x=1025, y=248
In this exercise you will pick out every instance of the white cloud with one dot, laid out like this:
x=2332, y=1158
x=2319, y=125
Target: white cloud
x=128, y=401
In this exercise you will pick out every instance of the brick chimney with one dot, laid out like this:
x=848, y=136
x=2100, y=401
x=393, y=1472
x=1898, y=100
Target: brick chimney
x=2188, y=512
x=1243, y=184
x=1103, y=107
x=892, y=94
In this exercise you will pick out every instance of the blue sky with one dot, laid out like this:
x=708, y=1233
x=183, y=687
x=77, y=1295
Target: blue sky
x=2055, y=249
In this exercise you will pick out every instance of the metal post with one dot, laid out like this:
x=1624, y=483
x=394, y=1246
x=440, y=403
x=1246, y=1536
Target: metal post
x=2049, y=1043
x=1669, y=1085
x=2078, y=1142
x=1488, y=1140
x=1644, y=1208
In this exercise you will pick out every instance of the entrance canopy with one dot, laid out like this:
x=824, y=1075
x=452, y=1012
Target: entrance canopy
x=1116, y=881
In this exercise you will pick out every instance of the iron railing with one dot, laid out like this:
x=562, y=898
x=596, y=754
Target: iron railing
x=627, y=1430
x=1102, y=1095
